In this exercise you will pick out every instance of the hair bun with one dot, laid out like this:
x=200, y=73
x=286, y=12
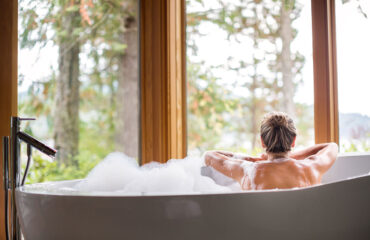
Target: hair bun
x=278, y=120
x=277, y=132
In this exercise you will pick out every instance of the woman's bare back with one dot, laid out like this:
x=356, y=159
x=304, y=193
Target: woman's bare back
x=301, y=169
x=280, y=173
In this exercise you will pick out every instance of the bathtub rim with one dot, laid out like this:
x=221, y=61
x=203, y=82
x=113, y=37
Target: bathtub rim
x=353, y=154
x=23, y=190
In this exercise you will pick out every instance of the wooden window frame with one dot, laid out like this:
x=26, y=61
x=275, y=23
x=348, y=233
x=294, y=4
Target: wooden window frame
x=163, y=77
x=325, y=71
x=8, y=81
x=163, y=80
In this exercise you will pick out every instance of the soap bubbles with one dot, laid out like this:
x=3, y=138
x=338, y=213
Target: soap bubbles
x=121, y=174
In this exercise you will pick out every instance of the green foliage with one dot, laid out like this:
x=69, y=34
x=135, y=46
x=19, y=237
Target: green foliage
x=216, y=110
x=93, y=147
x=119, y=47
x=359, y=7
x=240, y=102
x=73, y=8
x=99, y=31
x=208, y=102
x=44, y=170
x=356, y=146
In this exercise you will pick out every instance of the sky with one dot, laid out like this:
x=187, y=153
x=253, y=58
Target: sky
x=353, y=51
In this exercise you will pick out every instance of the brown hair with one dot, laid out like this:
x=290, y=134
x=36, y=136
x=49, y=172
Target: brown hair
x=277, y=132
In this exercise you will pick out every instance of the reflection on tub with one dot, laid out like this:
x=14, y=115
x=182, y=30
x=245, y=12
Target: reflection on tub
x=182, y=208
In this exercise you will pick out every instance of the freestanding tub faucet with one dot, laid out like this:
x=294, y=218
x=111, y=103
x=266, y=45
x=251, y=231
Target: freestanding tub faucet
x=12, y=171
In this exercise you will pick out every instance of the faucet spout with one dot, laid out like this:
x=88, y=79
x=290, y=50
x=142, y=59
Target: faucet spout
x=12, y=171
x=36, y=144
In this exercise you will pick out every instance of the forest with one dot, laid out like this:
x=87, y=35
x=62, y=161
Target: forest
x=87, y=104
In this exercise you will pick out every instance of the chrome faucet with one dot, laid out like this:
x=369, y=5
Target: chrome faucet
x=12, y=171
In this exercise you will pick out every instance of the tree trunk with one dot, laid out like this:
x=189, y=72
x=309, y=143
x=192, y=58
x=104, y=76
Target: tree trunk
x=253, y=86
x=127, y=123
x=66, y=120
x=286, y=34
x=253, y=109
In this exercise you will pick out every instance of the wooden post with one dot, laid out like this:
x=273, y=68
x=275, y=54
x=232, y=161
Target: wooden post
x=325, y=71
x=163, y=95
x=8, y=81
x=176, y=85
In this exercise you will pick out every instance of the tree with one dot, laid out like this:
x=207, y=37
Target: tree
x=60, y=24
x=104, y=91
x=286, y=33
x=67, y=99
x=268, y=24
x=127, y=122
x=208, y=102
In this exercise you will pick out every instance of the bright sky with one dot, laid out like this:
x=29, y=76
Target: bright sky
x=353, y=46
x=353, y=53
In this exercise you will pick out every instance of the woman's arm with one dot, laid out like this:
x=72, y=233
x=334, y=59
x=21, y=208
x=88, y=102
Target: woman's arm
x=321, y=156
x=241, y=156
x=307, y=152
x=250, y=158
x=227, y=165
x=325, y=157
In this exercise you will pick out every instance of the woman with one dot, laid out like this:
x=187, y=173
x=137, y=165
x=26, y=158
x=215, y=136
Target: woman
x=278, y=167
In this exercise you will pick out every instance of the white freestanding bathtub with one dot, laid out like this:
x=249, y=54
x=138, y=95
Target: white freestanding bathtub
x=337, y=209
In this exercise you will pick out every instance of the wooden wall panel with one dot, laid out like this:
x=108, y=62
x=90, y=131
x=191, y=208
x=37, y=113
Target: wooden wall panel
x=325, y=71
x=163, y=95
x=8, y=80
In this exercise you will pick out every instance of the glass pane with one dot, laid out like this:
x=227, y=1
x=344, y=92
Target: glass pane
x=78, y=75
x=353, y=49
x=247, y=58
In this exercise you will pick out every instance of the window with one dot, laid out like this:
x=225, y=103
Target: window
x=8, y=68
x=353, y=37
x=202, y=16
x=246, y=58
x=78, y=74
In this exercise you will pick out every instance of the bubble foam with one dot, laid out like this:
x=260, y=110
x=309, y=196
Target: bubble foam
x=121, y=174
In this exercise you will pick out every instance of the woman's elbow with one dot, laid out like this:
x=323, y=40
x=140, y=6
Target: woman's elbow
x=334, y=147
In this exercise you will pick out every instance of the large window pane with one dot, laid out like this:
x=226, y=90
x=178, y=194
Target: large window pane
x=78, y=74
x=353, y=50
x=246, y=58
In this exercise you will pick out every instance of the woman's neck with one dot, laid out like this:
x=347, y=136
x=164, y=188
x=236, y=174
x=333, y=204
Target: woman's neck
x=273, y=156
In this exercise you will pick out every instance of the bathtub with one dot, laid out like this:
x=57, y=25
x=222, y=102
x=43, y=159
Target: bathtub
x=337, y=209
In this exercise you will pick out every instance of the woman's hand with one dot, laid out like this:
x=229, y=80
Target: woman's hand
x=264, y=156
x=209, y=156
